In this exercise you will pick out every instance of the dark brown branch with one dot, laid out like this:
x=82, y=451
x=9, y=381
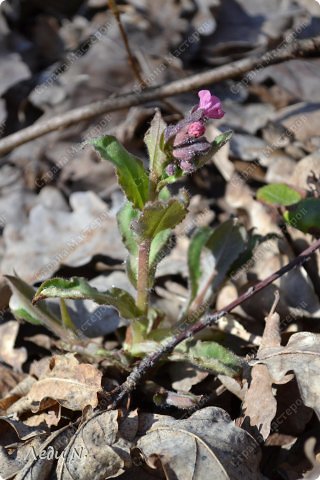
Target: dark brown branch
x=139, y=372
x=299, y=48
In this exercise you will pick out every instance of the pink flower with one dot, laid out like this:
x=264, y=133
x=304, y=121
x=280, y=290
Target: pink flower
x=210, y=105
x=196, y=129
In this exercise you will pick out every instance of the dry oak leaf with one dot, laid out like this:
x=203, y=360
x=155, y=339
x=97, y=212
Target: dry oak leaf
x=103, y=443
x=208, y=441
x=12, y=356
x=71, y=384
x=302, y=356
x=259, y=404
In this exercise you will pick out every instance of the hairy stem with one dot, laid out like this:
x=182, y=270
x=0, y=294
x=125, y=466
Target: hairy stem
x=184, y=332
x=143, y=276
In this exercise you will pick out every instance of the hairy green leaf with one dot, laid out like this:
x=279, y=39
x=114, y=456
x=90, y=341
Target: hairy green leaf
x=214, y=357
x=79, y=288
x=125, y=216
x=153, y=140
x=132, y=176
x=278, y=194
x=159, y=216
x=196, y=246
x=211, y=255
x=217, y=143
x=22, y=308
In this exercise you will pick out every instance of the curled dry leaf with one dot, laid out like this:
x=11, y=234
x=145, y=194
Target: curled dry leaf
x=15, y=395
x=71, y=384
x=302, y=355
x=49, y=418
x=20, y=429
x=104, y=442
x=208, y=441
x=12, y=356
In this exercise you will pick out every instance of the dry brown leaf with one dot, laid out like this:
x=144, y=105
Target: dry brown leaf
x=184, y=375
x=11, y=429
x=50, y=418
x=104, y=441
x=259, y=404
x=16, y=394
x=12, y=463
x=208, y=441
x=71, y=384
x=8, y=380
x=12, y=356
x=71, y=238
x=302, y=355
x=40, y=458
x=304, y=168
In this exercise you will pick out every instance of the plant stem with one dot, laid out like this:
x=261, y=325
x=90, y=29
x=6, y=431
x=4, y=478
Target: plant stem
x=143, y=276
x=139, y=372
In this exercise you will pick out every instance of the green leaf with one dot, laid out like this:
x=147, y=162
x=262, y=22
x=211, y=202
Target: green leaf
x=22, y=308
x=214, y=357
x=196, y=246
x=247, y=258
x=125, y=216
x=217, y=143
x=159, y=242
x=132, y=176
x=153, y=140
x=159, y=216
x=79, y=288
x=161, y=246
x=210, y=260
x=278, y=194
x=305, y=216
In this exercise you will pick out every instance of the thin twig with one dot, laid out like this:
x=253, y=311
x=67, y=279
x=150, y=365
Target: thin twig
x=139, y=372
x=132, y=60
x=298, y=48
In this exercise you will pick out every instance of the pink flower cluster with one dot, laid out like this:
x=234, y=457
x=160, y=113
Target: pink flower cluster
x=187, y=137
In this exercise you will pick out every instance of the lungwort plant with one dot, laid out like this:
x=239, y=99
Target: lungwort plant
x=147, y=221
